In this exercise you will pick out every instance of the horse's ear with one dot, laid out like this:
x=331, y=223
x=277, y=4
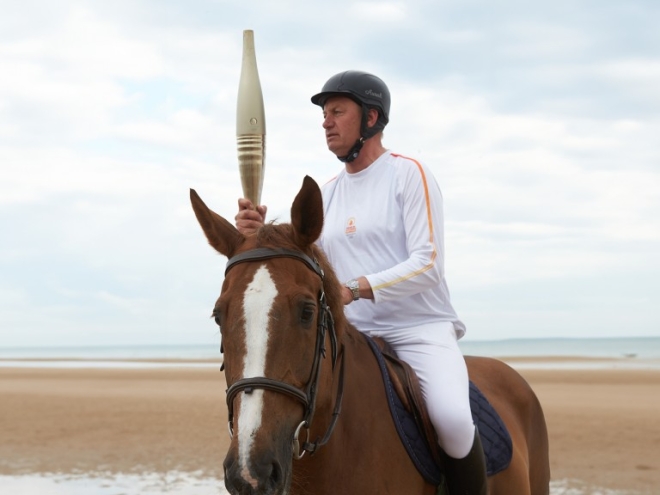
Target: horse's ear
x=221, y=234
x=307, y=213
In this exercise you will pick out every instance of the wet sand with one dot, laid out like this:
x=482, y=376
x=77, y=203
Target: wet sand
x=604, y=424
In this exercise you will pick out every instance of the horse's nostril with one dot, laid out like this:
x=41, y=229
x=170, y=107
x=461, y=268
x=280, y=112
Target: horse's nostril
x=262, y=476
x=276, y=474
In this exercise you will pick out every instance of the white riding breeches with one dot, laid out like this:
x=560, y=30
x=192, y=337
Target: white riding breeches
x=432, y=351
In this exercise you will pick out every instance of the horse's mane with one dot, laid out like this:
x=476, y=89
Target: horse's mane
x=282, y=236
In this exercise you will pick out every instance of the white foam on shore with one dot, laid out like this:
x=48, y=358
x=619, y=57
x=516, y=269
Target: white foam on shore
x=180, y=483
x=576, y=487
x=171, y=483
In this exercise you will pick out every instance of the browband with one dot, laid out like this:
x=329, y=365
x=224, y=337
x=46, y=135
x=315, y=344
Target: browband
x=259, y=254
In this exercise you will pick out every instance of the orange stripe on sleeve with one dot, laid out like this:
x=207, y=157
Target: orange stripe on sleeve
x=429, y=220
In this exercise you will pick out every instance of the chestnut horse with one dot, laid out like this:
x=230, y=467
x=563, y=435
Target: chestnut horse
x=302, y=380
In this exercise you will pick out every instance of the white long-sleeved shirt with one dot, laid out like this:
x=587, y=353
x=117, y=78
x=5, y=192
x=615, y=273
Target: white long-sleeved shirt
x=386, y=223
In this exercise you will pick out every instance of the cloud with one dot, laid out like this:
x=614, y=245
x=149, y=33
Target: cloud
x=539, y=126
x=380, y=11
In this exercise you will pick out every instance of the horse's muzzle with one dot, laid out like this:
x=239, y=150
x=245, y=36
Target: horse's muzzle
x=263, y=475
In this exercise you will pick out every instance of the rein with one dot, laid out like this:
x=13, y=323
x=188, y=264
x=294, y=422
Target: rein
x=307, y=396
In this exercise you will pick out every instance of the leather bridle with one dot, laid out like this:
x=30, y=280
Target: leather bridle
x=307, y=396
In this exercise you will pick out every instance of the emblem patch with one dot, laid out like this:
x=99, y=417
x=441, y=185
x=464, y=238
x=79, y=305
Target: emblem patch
x=350, y=226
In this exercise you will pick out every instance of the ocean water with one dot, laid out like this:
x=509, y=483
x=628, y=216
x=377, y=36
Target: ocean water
x=189, y=352
x=636, y=350
x=136, y=356
x=626, y=347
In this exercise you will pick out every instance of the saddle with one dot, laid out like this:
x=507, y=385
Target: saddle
x=414, y=425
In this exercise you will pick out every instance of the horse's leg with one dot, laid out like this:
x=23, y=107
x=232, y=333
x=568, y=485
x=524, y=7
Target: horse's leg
x=519, y=408
x=539, y=452
x=514, y=479
x=532, y=436
x=525, y=475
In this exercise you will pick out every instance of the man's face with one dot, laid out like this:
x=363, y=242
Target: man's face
x=341, y=121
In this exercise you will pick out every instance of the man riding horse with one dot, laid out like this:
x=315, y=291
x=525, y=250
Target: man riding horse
x=383, y=235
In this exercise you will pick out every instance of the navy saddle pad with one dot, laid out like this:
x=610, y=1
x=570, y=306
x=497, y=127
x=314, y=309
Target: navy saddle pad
x=495, y=437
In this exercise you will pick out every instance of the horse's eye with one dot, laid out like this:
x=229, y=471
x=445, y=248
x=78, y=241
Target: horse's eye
x=307, y=314
x=216, y=315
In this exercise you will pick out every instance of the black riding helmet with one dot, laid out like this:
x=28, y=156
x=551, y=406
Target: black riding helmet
x=366, y=90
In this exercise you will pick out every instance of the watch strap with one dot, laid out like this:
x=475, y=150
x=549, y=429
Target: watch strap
x=354, y=286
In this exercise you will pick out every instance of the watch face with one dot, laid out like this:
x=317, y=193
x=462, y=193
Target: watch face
x=354, y=286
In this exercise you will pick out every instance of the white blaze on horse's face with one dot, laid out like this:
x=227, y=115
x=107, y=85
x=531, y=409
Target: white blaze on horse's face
x=257, y=302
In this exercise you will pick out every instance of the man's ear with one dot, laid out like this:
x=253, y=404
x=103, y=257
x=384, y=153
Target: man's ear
x=372, y=117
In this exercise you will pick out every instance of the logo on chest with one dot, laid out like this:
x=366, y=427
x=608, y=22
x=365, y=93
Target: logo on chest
x=351, y=228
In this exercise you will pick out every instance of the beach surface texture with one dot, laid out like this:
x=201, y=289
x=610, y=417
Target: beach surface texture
x=604, y=424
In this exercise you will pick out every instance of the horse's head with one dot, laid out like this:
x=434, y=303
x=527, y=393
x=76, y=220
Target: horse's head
x=280, y=346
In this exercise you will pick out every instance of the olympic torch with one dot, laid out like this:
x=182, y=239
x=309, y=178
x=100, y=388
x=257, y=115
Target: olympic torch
x=250, y=124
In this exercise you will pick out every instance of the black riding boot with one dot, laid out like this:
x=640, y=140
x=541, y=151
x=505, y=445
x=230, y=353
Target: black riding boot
x=466, y=476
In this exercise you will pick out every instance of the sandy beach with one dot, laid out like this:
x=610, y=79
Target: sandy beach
x=604, y=424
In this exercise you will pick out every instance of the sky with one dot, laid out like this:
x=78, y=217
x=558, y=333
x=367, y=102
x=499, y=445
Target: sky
x=539, y=120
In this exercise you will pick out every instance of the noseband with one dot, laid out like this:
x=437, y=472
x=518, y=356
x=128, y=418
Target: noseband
x=306, y=396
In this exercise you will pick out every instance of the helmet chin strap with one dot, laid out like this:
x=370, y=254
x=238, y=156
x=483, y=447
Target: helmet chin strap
x=365, y=131
x=353, y=152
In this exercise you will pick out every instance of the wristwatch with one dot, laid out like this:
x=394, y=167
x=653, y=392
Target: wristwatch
x=354, y=286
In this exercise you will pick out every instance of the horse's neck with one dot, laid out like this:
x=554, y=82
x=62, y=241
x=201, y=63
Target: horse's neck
x=363, y=393
x=364, y=381
x=364, y=438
